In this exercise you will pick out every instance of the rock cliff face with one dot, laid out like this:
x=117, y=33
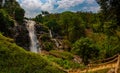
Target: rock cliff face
x=40, y=29
x=21, y=36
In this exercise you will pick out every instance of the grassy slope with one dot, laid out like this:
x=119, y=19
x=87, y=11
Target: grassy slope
x=64, y=59
x=14, y=59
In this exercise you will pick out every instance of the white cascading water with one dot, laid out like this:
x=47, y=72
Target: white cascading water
x=56, y=43
x=33, y=38
x=3, y=2
x=50, y=33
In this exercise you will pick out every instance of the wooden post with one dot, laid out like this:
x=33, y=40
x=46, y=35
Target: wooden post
x=117, y=65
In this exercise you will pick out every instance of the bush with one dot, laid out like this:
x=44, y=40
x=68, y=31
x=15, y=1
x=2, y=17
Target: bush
x=86, y=48
x=48, y=46
x=45, y=37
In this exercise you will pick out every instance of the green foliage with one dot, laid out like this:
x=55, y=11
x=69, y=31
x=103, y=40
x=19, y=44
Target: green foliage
x=14, y=59
x=109, y=28
x=39, y=18
x=110, y=9
x=66, y=21
x=70, y=25
x=19, y=15
x=48, y=46
x=14, y=10
x=107, y=45
x=45, y=12
x=53, y=25
x=63, y=54
x=67, y=64
x=86, y=49
x=66, y=45
x=111, y=45
x=6, y=22
x=45, y=37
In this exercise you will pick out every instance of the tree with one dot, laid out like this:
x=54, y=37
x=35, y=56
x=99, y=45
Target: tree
x=19, y=15
x=53, y=25
x=14, y=10
x=65, y=21
x=86, y=49
x=45, y=13
x=6, y=23
x=39, y=18
x=110, y=10
x=76, y=29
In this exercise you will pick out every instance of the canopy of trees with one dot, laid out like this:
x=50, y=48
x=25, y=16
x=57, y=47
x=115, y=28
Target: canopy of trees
x=110, y=10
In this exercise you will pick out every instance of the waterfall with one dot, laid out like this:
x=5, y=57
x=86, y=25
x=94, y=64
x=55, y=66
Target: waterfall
x=33, y=38
x=51, y=36
x=3, y=2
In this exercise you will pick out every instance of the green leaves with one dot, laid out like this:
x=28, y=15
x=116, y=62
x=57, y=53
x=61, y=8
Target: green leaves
x=86, y=49
x=6, y=22
x=19, y=15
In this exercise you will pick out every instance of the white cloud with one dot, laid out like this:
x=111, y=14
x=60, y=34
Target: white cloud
x=91, y=8
x=31, y=6
x=90, y=1
x=49, y=5
x=68, y=3
x=34, y=7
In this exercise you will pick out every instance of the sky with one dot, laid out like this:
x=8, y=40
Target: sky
x=34, y=7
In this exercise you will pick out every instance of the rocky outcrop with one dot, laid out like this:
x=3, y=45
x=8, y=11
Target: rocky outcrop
x=40, y=29
x=21, y=36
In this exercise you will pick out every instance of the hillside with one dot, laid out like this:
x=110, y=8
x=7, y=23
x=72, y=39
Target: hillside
x=14, y=59
x=68, y=41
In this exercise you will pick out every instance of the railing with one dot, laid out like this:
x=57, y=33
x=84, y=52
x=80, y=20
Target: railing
x=106, y=60
x=113, y=62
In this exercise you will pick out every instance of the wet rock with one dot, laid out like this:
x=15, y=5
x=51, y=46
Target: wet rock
x=21, y=36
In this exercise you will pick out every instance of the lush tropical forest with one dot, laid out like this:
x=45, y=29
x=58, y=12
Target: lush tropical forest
x=68, y=40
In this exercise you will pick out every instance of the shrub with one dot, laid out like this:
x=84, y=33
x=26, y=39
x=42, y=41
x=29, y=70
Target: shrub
x=86, y=48
x=45, y=37
x=48, y=46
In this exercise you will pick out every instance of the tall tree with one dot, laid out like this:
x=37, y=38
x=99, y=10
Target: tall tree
x=14, y=10
x=66, y=21
x=110, y=9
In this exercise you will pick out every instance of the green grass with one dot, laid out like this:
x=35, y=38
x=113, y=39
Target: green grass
x=62, y=54
x=14, y=59
x=63, y=59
